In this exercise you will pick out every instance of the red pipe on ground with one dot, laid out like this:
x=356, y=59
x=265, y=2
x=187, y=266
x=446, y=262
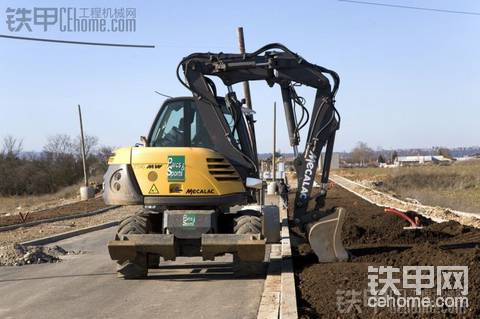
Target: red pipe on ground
x=401, y=215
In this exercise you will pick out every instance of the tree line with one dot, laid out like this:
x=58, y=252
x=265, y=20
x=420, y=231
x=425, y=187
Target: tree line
x=364, y=155
x=59, y=164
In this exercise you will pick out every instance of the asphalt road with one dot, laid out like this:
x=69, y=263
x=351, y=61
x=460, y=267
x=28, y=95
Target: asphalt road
x=86, y=286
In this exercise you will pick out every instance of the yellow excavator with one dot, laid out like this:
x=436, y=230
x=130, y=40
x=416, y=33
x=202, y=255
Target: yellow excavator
x=196, y=174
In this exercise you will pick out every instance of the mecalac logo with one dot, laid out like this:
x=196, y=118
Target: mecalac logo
x=199, y=191
x=309, y=175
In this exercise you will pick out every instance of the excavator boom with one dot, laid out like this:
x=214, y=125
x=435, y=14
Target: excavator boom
x=276, y=64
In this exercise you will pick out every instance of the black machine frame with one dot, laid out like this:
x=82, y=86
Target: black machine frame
x=288, y=70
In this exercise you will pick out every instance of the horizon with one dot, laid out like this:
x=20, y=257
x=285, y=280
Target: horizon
x=376, y=150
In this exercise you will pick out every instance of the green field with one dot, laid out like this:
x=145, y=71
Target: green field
x=456, y=186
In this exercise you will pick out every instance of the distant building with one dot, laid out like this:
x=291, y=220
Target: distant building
x=420, y=159
x=465, y=158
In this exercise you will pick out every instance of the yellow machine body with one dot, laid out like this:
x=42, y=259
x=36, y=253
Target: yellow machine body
x=168, y=172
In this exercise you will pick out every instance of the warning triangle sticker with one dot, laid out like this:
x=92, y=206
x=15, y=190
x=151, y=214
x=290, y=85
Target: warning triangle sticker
x=153, y=189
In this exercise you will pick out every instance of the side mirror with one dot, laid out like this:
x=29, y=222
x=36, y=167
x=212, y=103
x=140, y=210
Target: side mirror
x=254, y=183
x=143, y=142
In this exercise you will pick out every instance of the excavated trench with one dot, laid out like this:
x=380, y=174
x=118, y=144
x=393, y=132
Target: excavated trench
x=375, y=238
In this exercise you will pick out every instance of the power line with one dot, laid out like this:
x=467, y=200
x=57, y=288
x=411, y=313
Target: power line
x=79, y=42
x=411, y=7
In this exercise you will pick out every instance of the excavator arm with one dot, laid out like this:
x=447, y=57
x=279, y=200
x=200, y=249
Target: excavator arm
x=275, y=64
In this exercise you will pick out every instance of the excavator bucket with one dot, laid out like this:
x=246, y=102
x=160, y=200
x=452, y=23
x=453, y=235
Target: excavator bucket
x=325, y=237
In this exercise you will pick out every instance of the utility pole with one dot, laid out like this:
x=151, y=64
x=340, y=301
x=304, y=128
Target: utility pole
x=274, y=139
x=246, y=93
x=246, y=86
x=82, y=138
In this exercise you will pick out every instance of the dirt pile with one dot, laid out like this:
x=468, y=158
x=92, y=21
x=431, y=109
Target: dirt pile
x=21, y=255
x=375, y=238
x=8, y=239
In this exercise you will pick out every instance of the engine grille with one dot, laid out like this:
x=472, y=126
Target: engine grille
x=221, y=169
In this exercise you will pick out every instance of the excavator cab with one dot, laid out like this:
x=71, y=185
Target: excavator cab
x=180, y=165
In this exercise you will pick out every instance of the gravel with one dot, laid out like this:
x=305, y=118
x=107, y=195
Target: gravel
x=11, y=251
x=19, y=255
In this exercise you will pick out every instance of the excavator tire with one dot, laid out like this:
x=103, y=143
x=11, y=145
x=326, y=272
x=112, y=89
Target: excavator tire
x=249, y=222
x=136, y=224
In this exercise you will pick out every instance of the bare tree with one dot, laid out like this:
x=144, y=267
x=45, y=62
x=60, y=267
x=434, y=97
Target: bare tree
x=445, y=152
x=64, y=144
x=59, y=164
x=12, y=147
x=91, y=143
x=393, y=157
x=104, y=152
x=59, y=144
x=362, y=153
x=381, y=159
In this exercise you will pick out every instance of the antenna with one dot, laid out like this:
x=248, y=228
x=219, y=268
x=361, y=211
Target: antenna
x=164, y=95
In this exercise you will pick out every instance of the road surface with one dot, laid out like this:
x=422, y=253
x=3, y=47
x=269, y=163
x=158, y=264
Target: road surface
x=86, y=286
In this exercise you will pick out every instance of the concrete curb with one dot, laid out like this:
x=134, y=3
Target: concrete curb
x=279, y=298
x=288, y=297
x=53, y=238
x=270, y=302
x=57, y=219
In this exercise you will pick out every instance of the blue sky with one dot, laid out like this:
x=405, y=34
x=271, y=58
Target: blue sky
x=409, y=78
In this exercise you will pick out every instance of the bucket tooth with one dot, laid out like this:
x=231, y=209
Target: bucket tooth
x=325, y=237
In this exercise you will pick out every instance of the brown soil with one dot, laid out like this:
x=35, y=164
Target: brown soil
x=65, y=210
x=375, y=238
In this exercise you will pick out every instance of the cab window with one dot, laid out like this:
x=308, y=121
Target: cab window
x=179, y=125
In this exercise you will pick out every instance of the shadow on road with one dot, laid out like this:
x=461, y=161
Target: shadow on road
x=195, y=265
x=198, y=272
x=226, y=274
x=58, y=276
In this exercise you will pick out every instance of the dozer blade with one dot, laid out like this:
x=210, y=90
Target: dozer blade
x=246, y=247
x=325, y=237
